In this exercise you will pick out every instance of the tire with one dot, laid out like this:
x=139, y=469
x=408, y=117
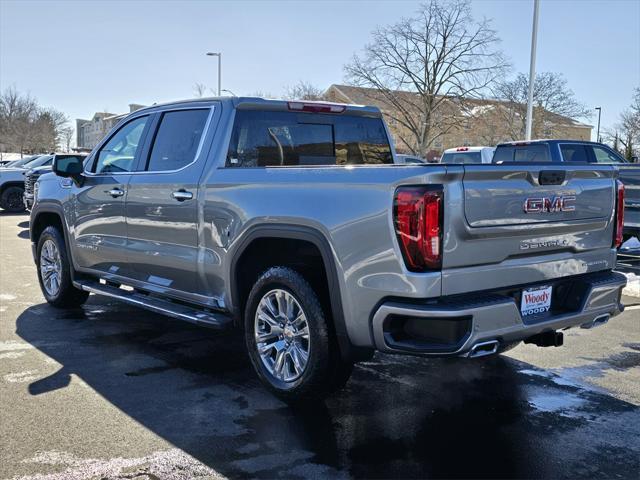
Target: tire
x=11, y=199
x=54, y=271
x=285, y=312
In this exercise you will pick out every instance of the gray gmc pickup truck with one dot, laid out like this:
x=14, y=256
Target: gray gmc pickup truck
x=289, y=220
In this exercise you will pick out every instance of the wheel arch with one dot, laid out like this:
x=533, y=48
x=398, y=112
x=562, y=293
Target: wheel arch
x=43, y=217
x=11, y=183
x=304, y=234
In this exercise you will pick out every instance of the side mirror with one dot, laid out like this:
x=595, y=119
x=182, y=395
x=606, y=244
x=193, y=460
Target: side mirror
x=68, y=167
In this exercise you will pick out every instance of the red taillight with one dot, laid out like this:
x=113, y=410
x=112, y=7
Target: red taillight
x=418, y=224
x=316, y=107
x=462, y=149
x=619, y=214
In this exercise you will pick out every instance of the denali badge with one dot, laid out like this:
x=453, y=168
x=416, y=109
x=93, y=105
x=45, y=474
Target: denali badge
x=533, y=244
x=549, y=205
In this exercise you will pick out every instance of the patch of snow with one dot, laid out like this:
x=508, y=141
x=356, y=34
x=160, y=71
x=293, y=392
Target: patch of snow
x=11, y=355
x=561, y=402
x=632, y=244
x=169, y=465
x=479, y=110
x=633, y=285
x=21, y=377
x=553, y=377
x=11, y=345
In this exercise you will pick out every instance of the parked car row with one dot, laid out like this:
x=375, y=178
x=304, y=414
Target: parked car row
x=18, y=180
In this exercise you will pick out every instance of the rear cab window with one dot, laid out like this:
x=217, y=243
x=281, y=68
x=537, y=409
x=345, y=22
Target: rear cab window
x=263, y=138
x=532, y=152
x=462, y=157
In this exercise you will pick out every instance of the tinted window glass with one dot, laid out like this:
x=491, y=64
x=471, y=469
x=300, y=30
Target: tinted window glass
x=574, y=153
x=456, y=157
x=263, y=138
x=177, y=140
x=604, y=155
x=522, y=153
x=118, y=154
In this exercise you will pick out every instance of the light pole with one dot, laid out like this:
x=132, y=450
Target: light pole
x=598, y=134
x=532, y=68
x=219, y=55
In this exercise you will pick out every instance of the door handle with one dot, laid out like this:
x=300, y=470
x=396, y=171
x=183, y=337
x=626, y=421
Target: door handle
x=182, y=195
x=115, y=192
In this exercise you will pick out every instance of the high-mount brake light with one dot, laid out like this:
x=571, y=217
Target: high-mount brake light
x=619, y=230
x=316, y=107
x=418, y=216
x=462, y=149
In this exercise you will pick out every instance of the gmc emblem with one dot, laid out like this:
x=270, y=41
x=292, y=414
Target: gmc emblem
x=549, y=205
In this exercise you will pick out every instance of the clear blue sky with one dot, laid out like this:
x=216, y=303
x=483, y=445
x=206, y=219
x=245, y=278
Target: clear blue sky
x=81, y=57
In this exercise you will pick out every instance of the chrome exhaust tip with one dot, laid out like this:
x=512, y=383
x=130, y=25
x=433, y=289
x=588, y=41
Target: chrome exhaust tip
x=483, y=349
x=599, y=320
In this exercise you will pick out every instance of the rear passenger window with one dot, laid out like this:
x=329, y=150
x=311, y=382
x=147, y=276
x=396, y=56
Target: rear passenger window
x=177, y=139
x=266, y=138
x=574, y=153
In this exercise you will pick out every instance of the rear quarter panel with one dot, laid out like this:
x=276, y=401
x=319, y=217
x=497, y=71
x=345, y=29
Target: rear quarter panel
x=351, y=207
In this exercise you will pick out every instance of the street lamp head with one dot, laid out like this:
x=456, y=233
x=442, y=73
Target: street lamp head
x=213, y=54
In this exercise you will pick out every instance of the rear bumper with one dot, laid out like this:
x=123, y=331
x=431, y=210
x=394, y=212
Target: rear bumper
x=468, y=320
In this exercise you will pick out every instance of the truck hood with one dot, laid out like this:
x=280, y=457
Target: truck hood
x=7, y=174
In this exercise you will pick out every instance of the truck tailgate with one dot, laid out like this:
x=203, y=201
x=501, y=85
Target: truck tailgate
x=519, y=224
x=495, y=196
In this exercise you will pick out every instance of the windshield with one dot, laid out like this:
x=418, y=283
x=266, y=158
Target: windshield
x=21, y=162
x=39, y=162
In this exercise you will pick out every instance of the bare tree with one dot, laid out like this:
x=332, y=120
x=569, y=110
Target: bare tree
x=67, y=137
x=424, y=68
x=303, y=91
x=25, y=126
x=628, y=128
x=551, y=97
x=261, y=94
x=199, y=90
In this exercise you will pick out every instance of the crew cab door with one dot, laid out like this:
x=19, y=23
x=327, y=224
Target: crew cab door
x=161, y=207
x=99, y=226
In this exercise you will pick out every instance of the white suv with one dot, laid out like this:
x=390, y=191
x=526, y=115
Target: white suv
x=468, y=155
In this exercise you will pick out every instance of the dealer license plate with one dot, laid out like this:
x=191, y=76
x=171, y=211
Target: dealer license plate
x=535, y=300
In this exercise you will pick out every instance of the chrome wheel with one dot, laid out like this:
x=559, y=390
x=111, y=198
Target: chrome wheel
x=282, y=335
x=50, y=267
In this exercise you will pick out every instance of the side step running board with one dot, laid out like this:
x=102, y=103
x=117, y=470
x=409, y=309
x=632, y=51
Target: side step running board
x=210, y=319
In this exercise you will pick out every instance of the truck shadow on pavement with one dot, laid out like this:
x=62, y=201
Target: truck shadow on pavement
x=400, y=417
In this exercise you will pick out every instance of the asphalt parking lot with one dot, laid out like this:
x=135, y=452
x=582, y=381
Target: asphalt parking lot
x=111, y=391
